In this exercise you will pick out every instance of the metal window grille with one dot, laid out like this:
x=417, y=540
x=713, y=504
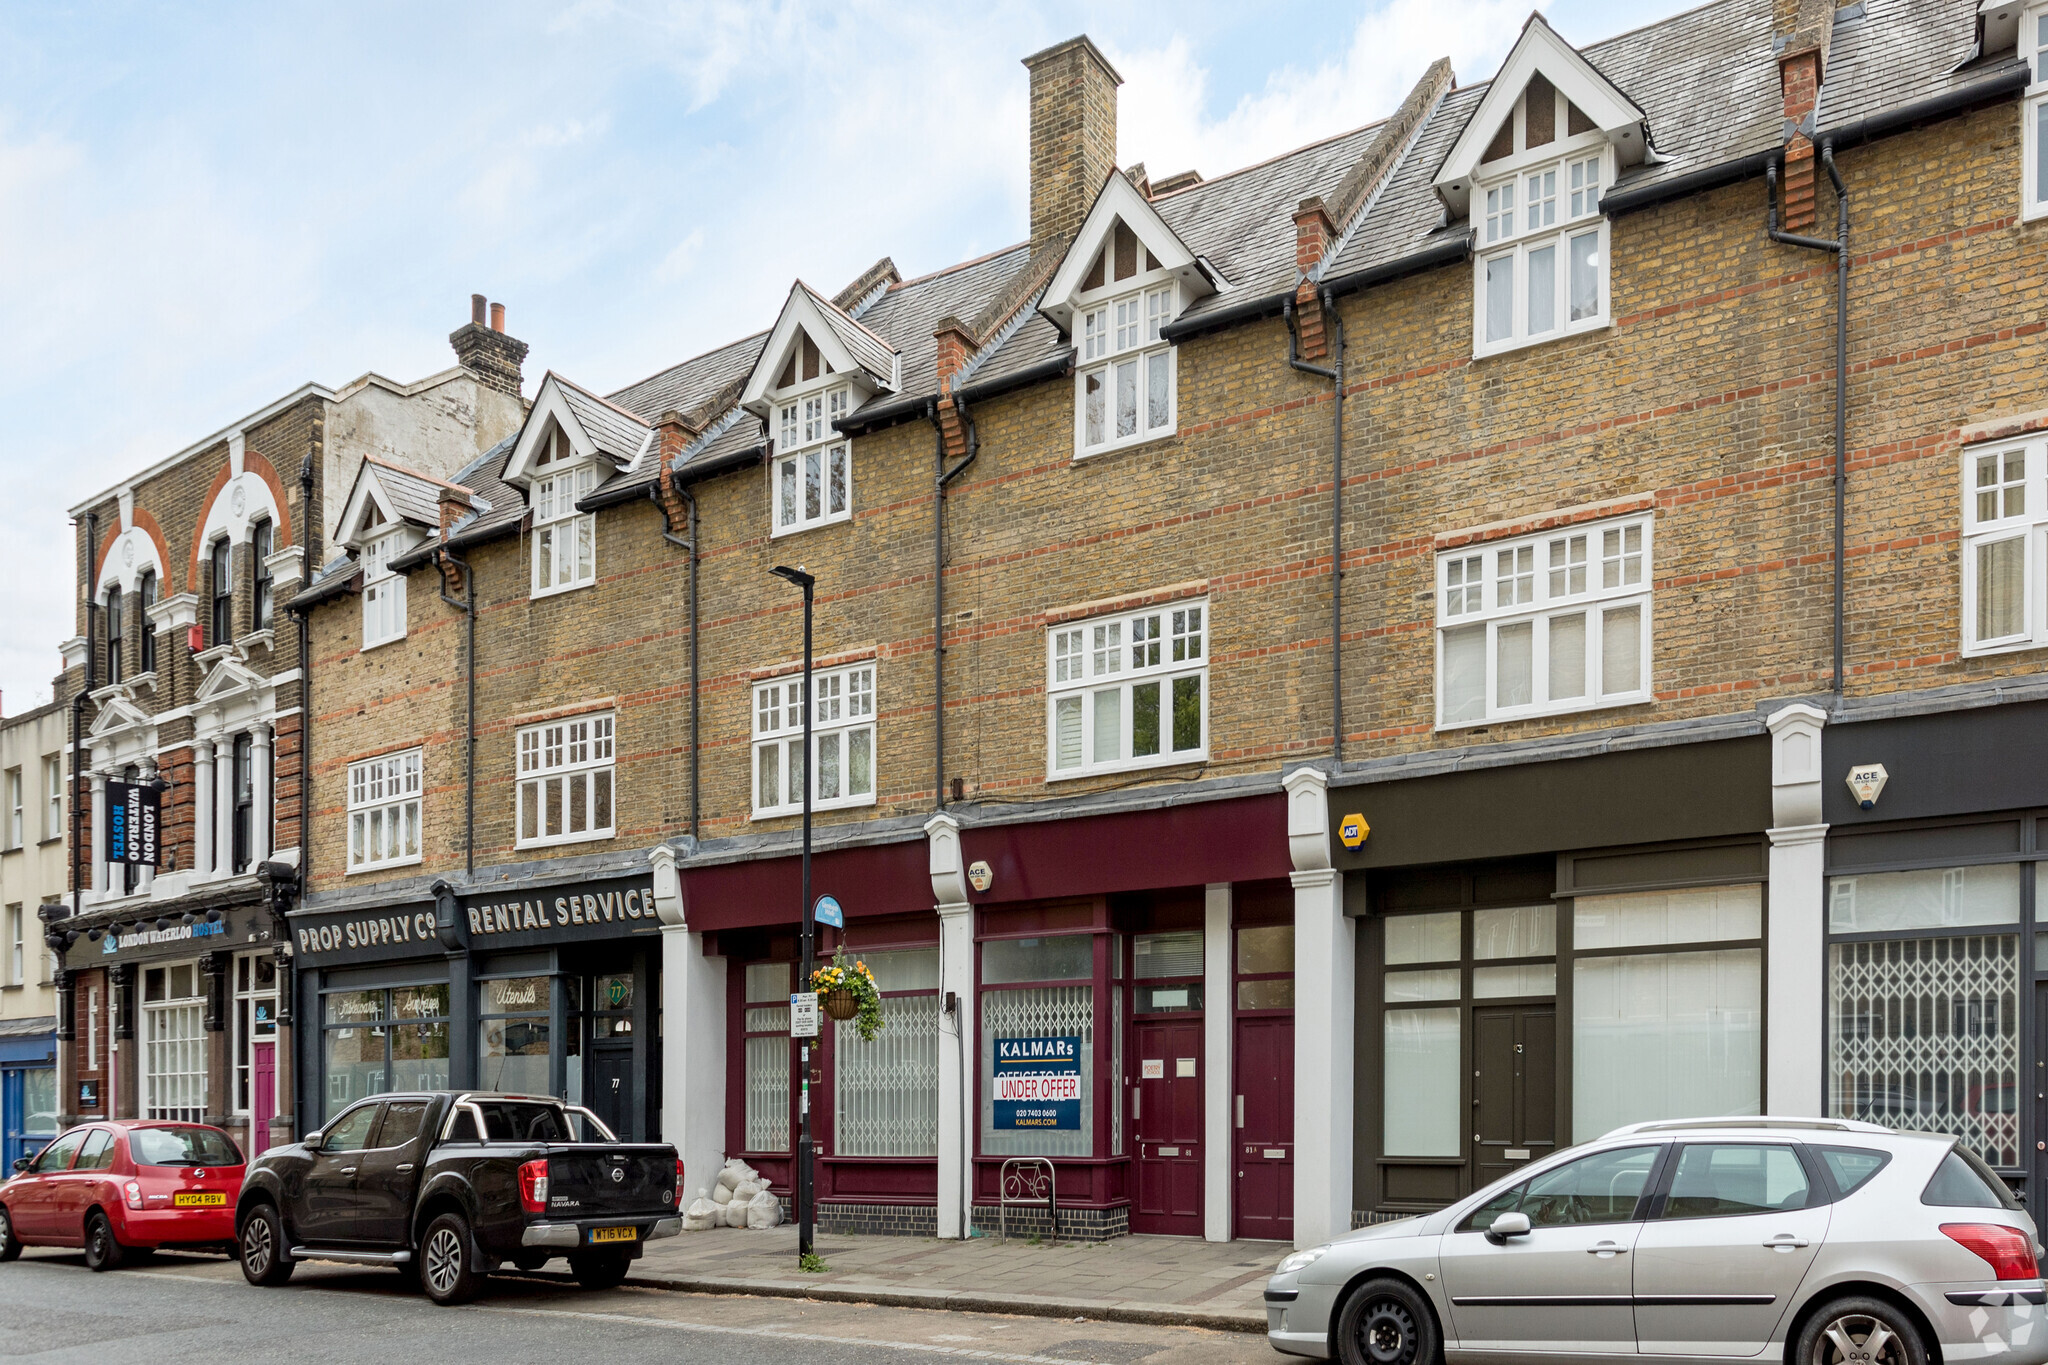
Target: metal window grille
x=768, y=1081
x=1924, y=1035
x=886, y=1093
x=1037, y=1011
x=174, y=1062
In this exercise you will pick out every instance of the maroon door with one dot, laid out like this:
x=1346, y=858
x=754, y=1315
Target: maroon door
x=1166, y=1067
x=1263, y=1131
x=262, y=1096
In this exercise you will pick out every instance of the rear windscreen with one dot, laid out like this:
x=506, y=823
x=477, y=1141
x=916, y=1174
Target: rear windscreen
x=1963, y=1181
x=182, y=1147
x=512, y=1121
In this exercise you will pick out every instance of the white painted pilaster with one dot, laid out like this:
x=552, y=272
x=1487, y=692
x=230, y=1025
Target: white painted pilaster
x=1219, y=1135
x=99, y=833
x=261, y=813
x=225, y=778
x=693, y=1034
x=1325, y=965
x=1795, y=1022
x=202, y=808
x=956, y=1026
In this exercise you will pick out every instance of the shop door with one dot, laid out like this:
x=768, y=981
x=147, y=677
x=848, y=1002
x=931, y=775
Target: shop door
x=1168, y=1125
x=262, y=1096
x=609, y=1091
x=1264, y=1129
x=1514, y=1088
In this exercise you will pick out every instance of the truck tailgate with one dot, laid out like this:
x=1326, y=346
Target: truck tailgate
x=602, y=1179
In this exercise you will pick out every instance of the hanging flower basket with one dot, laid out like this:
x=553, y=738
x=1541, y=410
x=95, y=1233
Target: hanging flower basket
x=848, y=991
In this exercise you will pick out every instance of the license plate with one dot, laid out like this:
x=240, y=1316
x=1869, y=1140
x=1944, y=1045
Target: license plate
x=613, y=1234
x=199, y=1201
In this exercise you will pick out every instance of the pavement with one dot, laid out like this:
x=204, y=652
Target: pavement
x=1167, y=1281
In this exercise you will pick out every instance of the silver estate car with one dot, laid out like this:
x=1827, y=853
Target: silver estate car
x=1806, y=1241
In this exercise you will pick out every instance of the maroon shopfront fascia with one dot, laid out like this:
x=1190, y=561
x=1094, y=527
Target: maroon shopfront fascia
x=1092, y=883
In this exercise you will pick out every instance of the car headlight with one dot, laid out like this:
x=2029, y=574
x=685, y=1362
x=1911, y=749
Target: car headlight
x=1300, y=1260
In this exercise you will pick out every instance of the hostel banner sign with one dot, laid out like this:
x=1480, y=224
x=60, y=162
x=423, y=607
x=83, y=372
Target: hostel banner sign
x=1038, y=1083
x=131, y=824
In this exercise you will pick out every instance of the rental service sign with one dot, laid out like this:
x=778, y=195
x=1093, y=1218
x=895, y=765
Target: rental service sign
x=1038, y=1083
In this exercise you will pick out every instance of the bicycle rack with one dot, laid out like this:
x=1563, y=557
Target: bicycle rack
x=1026, y=1180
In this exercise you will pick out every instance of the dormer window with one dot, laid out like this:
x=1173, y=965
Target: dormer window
x=564, y=540
x=383, y=592
x=1125, y=382
x=1540, y=268
x=813, y=460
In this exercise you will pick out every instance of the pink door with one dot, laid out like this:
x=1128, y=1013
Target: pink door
x=262, y=1097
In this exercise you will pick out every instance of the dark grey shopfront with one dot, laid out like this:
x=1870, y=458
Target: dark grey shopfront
x=537, y=990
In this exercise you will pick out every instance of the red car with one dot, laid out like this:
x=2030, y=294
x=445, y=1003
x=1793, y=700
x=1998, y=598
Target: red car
x=122, y=1189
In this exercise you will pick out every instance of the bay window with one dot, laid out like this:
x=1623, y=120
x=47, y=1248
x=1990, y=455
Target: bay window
x=1541, y=262
x=813, y=461
x=842, y=741
x=383, y=592
x=1125, y=379
x=565, y=781
x=1545, y=624
x=1129, y=691
x=2004, y=525
x=384, y=811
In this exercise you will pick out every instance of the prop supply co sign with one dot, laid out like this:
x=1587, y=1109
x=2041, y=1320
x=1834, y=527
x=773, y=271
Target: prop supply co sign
x=1038, y=1083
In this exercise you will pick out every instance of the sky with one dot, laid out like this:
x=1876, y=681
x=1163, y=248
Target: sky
x=203, y=207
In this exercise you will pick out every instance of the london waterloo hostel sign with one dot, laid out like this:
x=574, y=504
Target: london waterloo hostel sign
x=1038, y=1083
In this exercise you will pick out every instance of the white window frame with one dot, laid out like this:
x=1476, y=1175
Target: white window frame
x=383, y=590
x=1507, y=595
x=564, y=756
x=17, y=811
x=2033, y=49
x=1557, y=229
x=560, y=480
x=384, y=804
x=53, y=808
x=1117, y=654
x=806, y=440
x=1115, y=327
x=844, y=720
x=2026, y=521
x=17, y=945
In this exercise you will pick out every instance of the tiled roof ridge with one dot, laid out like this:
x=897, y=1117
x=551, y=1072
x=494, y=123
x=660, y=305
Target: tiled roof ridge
x=831, y=307
x=1024, y=286
x=701, y=416
x=881, y=273
x=1397, y=133
x=1263, y=162
x=1655, y=24
x=632, y=417
x=691, y=360
x=382, y=463
x=956, y=267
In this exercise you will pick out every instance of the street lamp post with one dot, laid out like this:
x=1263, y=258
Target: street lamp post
x=806, y=1212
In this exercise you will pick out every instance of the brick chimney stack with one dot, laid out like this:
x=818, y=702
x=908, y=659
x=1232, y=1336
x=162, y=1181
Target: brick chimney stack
x=485, y=350
x=1805, y=29
x=1073, y=135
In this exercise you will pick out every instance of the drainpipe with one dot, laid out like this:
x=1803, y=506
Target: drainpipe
x=945, y=476
x=1333, y=372
x=1840, y=248
x=78, y=705
x=310, y=566
x=444, y=559
x=668, y=533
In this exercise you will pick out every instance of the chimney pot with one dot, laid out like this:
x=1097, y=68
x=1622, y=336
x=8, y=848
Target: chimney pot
x=497, y=317
x=476, y=309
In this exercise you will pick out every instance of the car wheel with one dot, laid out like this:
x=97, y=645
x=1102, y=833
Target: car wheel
x=1387, y=1323
x=262, y=1249
x=600, y=1269
x=102, y=1251
x=1860, y=1332
x=447, y=1262
x=10, y=1245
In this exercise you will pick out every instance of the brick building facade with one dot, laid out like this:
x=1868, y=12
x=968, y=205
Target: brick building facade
x=1546, y=366
x=187, y=680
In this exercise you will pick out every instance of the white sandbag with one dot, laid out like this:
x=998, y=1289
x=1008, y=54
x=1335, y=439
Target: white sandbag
x=734, y=1215
x=731, y=1175
x=745, y=1192
x=701, y=1216
x=764, y=1210
x=720, y=1194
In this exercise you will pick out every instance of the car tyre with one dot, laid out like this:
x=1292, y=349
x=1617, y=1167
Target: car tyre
x=103, y=1251
x=1868, y=1331
x=261, y=1247
x=600, y=1269
x=1386, y=1322
x=10, y=1245
x=448, y=1269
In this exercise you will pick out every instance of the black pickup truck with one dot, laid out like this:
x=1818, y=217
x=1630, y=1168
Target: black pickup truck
x=447, y=1186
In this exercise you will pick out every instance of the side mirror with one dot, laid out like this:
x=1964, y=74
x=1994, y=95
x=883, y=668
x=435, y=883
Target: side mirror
x=1506, y=1226
x=22, y=1163
x=313, y=1140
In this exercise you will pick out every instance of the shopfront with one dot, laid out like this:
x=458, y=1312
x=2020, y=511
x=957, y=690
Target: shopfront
x=538, y=989
x=28, y=1087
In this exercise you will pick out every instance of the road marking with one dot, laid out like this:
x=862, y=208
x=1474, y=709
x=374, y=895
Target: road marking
x=780, y=1334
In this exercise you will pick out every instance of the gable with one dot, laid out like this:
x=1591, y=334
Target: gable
x=1545, y=94
x=1122, y=238
x=369, y=505
x=593, y=428
x=812, y=338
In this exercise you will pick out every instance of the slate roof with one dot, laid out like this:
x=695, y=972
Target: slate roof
x=680, y=387
x=911, y=311
x=868, y=350
x=615, y=431
x=413, y=496
x=499, y=505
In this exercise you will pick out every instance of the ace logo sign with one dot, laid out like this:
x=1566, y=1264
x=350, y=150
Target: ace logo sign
x=1038, y=1083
